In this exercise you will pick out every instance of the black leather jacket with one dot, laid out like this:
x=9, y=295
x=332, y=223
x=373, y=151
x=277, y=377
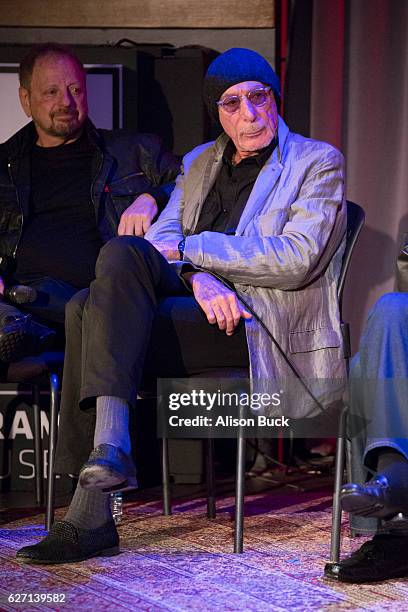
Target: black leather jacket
x=125, y=165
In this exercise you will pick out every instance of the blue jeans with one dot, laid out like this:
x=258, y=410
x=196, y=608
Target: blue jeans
x=379, y=388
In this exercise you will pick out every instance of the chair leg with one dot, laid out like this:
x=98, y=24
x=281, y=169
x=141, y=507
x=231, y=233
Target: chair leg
x=348, y=461
x=338, y=480
x=209, y=455
x=54, y=405
x=166, y=478
x=38, y=459
x=239, y=495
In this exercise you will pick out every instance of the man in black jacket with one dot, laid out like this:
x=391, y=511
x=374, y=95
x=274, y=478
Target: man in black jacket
x=66, y=188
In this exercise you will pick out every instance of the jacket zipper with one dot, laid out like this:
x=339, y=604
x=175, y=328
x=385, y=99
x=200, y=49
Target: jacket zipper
x=124, y=178
x=94, y=181
x=19, y=204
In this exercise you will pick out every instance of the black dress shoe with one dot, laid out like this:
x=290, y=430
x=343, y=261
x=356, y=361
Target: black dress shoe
x=20, y=294
x=68, y=544
x=108, y=468
x=21, y=336
x=381, y=558
x=376, y=498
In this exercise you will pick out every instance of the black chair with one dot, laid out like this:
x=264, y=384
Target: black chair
x=355, y=221
x=42, y=371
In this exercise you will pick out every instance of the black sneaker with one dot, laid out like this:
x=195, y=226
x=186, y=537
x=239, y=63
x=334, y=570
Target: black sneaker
x=22, y=336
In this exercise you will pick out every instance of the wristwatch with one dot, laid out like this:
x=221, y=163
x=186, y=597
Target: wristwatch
x=180, y=248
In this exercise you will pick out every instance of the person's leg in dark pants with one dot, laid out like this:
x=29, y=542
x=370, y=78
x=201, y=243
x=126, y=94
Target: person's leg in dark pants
x=33, y=327
x=181, y=343
x=52, y=297
x=106, y=354
x=76, y=427
x=132, y=280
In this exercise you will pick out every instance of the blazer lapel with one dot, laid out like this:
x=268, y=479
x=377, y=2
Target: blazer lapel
x=204, y=184
x=213, y=166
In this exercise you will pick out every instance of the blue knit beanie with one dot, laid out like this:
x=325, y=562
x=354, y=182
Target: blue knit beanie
x=236, y=66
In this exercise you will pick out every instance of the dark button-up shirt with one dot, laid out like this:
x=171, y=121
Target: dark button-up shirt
x=228, y=196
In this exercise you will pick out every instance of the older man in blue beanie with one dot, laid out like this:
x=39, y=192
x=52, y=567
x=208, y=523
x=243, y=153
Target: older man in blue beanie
x=260, y=215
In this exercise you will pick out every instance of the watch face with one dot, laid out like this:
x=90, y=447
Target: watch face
x=180, y=248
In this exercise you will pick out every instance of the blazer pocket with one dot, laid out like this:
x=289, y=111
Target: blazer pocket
x=313, y=340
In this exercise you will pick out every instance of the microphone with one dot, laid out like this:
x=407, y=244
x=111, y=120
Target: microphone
x=20, y=294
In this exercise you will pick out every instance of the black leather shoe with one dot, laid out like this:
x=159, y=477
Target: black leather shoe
x=376, y=498
x=21, y=336
x=108, y=468
x=66, y=543
x=381, y=558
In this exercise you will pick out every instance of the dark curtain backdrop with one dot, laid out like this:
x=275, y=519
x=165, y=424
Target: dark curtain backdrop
x=359, y=103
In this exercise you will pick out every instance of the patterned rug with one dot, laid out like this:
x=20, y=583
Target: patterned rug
x=185, y=561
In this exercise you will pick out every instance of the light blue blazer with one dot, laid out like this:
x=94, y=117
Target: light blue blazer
x=285, y=257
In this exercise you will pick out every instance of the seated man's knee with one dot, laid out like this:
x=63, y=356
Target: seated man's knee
x=118, y=251
x=391, y=307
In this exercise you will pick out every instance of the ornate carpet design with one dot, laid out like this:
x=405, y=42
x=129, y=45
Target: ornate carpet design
x=185, y=561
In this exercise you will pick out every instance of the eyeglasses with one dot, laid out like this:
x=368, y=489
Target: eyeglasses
x=257, y=97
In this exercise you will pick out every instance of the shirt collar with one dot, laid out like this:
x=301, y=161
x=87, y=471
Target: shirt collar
x=259, y=159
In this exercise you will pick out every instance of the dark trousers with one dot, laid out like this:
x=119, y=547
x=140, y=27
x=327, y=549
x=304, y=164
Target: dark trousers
x=52, y=297
x=137, y=321
x=48, y=308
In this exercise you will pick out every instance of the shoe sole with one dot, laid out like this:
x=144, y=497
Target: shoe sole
x=12, y=345
x=19, y=343
x=106, y=552
x=396, y=524
x=105, y=479
x=126, y=485
x=361, y=505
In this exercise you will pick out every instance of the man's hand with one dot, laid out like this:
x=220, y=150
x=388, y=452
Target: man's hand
x=219, y=303
x=168, y=249
x=138, y=217
x=1, y=286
